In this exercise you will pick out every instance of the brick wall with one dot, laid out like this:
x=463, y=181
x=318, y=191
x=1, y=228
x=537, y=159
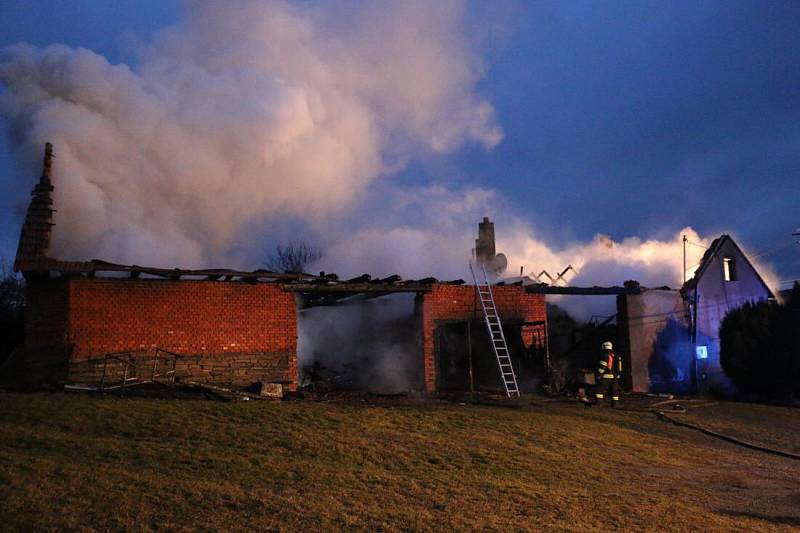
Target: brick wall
x=228, y=332
x=458, y=302
x=231, y=332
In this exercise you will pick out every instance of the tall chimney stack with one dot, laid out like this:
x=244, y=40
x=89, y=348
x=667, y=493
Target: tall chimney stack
x=34, y=239
x=484, y=245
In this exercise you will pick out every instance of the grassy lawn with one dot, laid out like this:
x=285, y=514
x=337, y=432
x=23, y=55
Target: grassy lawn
x=79, y=462
x=776, y=427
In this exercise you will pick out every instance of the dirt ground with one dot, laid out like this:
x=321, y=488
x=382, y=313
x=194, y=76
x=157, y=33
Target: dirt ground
x=72, y=461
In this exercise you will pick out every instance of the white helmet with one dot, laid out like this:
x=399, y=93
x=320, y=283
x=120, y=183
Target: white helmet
x=607, y=346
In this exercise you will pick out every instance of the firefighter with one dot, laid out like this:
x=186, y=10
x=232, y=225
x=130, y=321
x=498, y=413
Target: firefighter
x=609, y=370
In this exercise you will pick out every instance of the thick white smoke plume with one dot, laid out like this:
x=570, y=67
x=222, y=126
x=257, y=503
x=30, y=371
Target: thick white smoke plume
x=431, y=231
x=247, y=114
x=241, y=113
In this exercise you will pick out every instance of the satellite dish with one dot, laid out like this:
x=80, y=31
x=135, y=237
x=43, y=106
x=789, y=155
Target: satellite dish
x=499, y=264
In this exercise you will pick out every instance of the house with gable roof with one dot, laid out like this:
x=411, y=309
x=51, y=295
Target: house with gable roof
x=671, y=337
x=725, y=280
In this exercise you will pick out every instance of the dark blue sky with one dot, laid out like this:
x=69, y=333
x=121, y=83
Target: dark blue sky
x=663, y=115
x=624, y=118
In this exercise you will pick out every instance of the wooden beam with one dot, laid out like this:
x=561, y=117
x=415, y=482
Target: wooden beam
x=355, y=288
x=585, y=291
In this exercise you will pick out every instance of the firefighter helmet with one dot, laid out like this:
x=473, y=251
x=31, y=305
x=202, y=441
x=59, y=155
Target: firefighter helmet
x=607, y=346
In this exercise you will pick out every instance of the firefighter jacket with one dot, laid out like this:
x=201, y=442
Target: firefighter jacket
x=610, y=366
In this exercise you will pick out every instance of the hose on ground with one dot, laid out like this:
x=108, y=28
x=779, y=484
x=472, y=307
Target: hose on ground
x=782, y=453
x=733, y=440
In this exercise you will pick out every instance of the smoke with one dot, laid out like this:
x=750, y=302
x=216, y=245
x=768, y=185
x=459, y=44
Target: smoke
x=239, y=115
x=419, y=232
x=429, y=231
x=603, y=261
x=245, y=115
x=363, y=344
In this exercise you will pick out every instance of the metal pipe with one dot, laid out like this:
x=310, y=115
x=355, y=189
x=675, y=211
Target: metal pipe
x=684, y=259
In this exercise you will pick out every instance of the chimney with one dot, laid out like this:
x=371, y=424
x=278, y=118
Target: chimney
x=34, y=239
x=484, y=245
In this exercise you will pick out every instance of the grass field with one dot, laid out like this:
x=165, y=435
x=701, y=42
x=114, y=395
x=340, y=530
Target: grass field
x=79, y=462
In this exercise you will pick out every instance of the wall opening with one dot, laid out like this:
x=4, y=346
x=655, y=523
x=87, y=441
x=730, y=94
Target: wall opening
x=361, y=343
x=465, y=359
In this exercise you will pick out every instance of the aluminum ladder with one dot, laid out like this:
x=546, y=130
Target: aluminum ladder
x=495, y=329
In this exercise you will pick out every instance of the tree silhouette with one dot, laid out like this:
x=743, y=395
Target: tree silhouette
x=12, y=307
x=292, y=257
x=760, y=347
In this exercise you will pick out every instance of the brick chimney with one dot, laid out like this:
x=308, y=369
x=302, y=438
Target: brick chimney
x=484, y=245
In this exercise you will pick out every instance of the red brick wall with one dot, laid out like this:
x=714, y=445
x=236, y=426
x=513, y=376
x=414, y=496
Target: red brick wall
x=224, y=322
x=219, y=323
x=191, y=317
x=458, y=302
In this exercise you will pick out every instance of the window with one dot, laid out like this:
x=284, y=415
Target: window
x=729, y=269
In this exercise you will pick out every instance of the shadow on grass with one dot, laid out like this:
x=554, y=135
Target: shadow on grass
x=784, y=520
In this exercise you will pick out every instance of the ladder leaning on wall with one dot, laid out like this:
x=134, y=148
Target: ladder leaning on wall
x=495, y=330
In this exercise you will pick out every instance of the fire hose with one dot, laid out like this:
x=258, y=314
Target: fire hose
x=727, y=438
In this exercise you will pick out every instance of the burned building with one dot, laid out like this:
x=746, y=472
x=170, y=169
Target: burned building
x=95, y=322
x=673, y=336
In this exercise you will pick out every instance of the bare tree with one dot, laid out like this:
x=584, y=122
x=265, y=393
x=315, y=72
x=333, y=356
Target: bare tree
x=292, y=257
x=12, y=288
